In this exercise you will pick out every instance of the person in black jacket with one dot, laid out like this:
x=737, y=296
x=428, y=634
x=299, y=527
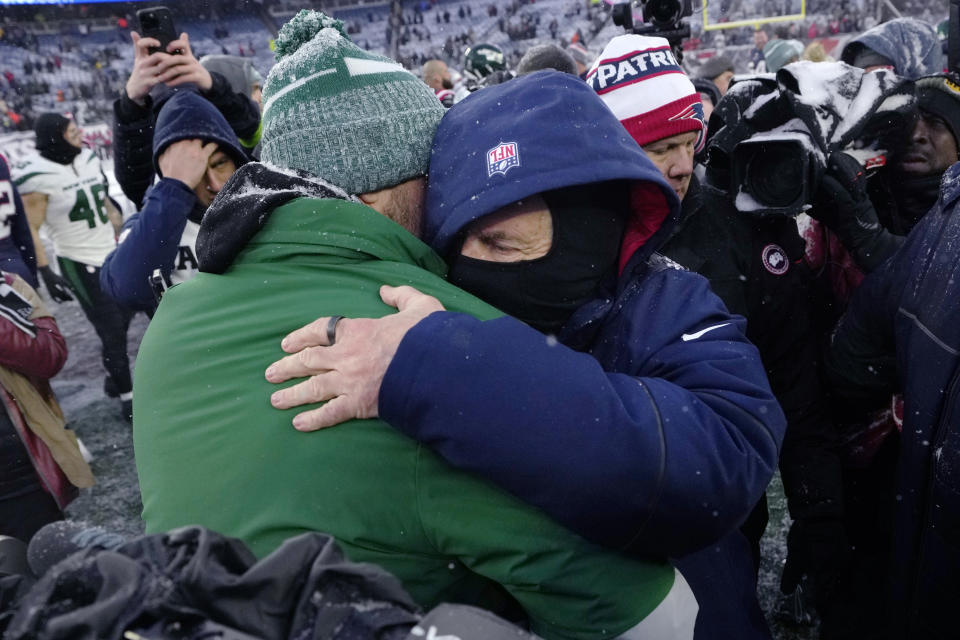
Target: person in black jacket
x=153, y=77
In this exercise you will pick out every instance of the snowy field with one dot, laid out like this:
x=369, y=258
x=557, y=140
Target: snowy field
x=114, y=502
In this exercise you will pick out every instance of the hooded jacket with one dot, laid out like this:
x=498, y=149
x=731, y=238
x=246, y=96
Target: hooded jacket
x=901, y=333
x=654, y=362
x=649, y=361
x=912, y=45
x=133, y=130
x=163, y=233
x=277, y=251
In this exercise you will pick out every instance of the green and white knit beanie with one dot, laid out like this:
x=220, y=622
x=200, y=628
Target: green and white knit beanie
x=356, y=119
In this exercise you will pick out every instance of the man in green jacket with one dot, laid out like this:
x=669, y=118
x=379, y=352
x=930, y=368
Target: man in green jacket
x=316, y=230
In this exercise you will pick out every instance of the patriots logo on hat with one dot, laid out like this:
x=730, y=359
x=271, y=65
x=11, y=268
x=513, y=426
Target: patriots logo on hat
x=502, y=158
x=693, y=111
x=690, y=112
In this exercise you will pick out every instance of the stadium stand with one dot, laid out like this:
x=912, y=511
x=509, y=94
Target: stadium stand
x=75, y=58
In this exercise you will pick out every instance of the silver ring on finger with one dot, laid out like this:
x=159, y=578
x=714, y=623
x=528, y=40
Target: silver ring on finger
x=332, y=329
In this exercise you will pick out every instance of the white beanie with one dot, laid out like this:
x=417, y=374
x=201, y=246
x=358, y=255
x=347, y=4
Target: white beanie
x=640, y=80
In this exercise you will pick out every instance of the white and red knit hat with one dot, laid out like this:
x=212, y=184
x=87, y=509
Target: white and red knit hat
x=640, y=80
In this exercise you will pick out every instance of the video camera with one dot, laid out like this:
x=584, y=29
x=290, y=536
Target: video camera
x=658, y=18
x=769, y=146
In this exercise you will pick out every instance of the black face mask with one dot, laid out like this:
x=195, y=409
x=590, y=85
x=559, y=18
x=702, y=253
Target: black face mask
x=588, y=227
x=50, y=142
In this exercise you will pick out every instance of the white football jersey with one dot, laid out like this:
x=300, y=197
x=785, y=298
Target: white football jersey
x=186, y=265
x=77, y=219
x=8, y=208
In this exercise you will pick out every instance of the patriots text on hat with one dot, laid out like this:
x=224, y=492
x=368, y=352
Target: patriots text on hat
x=639, y=79
x=633, y=67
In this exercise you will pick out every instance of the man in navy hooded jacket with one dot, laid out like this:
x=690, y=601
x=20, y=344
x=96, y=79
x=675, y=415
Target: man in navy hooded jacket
x=646, y=425
x=194, y=152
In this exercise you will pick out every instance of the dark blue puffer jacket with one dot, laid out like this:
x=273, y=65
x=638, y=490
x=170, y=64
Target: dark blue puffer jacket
x=911, y=44
x=653, y=430
x=153, y=237
x=901, y=332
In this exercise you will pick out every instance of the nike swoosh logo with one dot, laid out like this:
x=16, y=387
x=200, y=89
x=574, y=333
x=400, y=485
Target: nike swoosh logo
x=687, y=337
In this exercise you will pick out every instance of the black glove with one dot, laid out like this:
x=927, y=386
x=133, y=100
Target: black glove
x=819, y=557
x=843, y=205
x=57, y=285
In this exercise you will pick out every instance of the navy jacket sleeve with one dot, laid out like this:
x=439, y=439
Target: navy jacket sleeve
x=664, y=452
x=23, y=239
x=148, y=240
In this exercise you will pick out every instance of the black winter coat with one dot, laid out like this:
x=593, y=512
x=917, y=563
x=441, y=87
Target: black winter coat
x=756, y=265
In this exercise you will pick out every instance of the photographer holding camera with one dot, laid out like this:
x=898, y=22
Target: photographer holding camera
x=804, y=142
x=871, y=213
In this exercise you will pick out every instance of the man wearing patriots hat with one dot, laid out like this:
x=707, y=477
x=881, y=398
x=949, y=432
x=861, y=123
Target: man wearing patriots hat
x=640, y=80
x=755, y=264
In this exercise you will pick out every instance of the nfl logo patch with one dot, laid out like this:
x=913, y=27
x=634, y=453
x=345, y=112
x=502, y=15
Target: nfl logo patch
x=502, y=158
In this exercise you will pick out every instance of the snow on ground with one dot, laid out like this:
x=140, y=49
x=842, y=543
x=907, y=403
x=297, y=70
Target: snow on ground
x=114, y=502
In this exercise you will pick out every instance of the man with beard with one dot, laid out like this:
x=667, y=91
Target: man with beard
x=194, y=152
x=65, y=190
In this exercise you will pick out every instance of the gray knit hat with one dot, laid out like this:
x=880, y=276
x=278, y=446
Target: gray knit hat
x=779, y=53
x=238, y=72
x=546, y=56
x=715, y=66
x=356, y=119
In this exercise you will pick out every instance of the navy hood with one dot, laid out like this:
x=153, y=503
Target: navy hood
x=188, y=115
x=911, y=45
x=537, y=133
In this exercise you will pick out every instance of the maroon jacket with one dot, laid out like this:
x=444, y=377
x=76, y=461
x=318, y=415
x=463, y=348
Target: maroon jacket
x=39, y=359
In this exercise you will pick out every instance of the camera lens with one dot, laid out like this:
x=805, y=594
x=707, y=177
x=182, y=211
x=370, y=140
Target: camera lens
x=775, y=175
x=662, y=12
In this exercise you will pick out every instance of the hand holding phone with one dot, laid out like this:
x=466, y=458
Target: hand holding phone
x=145, y=74
x=183, y=69
x=151, y=69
